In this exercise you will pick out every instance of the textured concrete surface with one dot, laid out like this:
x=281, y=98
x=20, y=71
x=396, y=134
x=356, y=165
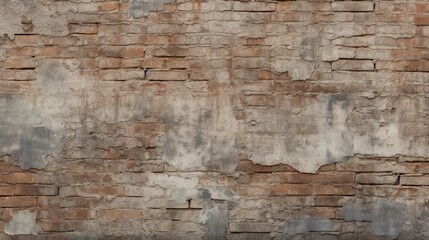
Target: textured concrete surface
x=147, y=119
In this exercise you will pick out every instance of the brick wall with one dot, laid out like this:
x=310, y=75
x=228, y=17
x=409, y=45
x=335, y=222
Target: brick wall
x=214, y=119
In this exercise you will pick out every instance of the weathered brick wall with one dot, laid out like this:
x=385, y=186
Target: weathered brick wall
x=195, y=119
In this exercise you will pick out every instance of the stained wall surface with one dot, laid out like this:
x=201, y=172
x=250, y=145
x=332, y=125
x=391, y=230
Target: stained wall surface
x=214, y=119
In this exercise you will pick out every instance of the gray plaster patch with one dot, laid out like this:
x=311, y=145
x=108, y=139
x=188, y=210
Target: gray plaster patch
x=215, y=215
x=314, y=136
x=34, y=16
x=297, y=69
x=32, y=125
x=142, y=8
x=201, y=131
x=307, y=224
x=386, y=216
x=22, y=222
x=319, y=131
x=216, y=193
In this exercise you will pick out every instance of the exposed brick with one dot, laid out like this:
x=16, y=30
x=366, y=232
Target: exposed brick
x=83, y=29
x=124, y=214
x=60, y=226
x=331, y=177
x=170, y=52
x=145, y=128
x=18, y=75
x=109, y=6
x=340, y=190
x=365, y=178
x=122, y=74
x=17, y=202
x=6, y=190
x=421, y=20
x=353, y=6
x=35, y=190
x=18, y=177
x=282, y=113
x=109, y=63
x=133, y=52
x=414, y=180
x=20, y=63
x=259, y=100
x=291, y=189
x=172, y=75
x=331, y=201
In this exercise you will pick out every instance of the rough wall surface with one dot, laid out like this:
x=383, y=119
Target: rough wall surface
x=214, y=119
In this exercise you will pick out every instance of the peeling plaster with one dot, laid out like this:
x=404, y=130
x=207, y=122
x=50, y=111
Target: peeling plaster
x=22, y=222
x=215, y=215
x=142, y=8
x=318, y=132
x=386, y=215
x=16, y=16
x=330, y=140
x=306, y=224
x=32, y=125
x=201, y=131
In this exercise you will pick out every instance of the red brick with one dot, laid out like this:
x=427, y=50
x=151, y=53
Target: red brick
x=18, y=75
x=340, y=190
x=415, y=180
x=328, y=177
x=143, y=128
x=88, y=63
x=60, y=226
x=130, y=63
x=13, y=202
x=108, y=63
x=105, y=190
x=421, y=20
x=76, y=214
x=21, y=51
x=123, y=214
x=20, y=63
x=28, y=39
x=109, y=6
x=153, y=63
x=291, y=189
x=319, y=212
x=171, y=51
x=171, y=75
x=332, y=201
x=52, y=51
x=353, y=6
x=36, y=190
x=133, y=52
x=83, y=28
x=254, y=6
x=259, y=100
x=403, y=66
x=6, y=191
x=122, y=74
x=18, y=177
